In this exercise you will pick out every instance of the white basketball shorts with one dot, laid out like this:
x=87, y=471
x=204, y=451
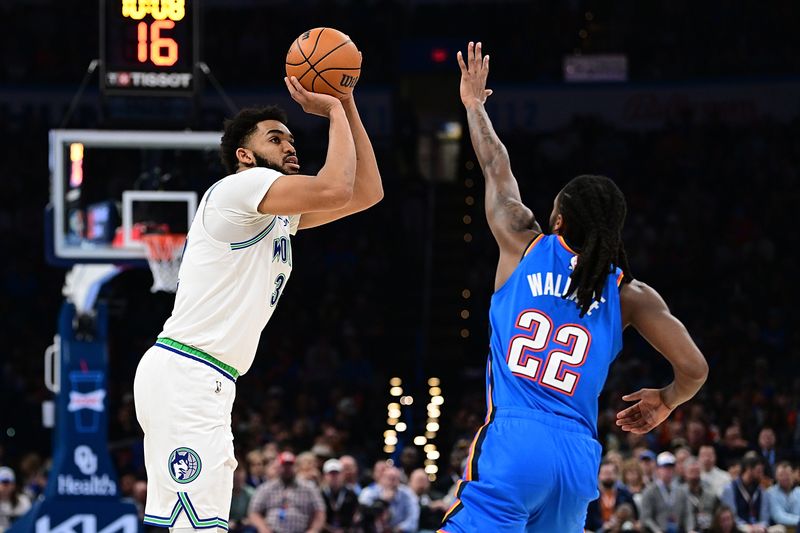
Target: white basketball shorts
x=183, y=403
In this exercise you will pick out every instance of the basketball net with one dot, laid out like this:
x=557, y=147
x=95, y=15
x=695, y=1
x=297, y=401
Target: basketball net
x=164, y=252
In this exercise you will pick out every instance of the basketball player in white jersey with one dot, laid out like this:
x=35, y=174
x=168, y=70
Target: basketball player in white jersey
x=236, y=263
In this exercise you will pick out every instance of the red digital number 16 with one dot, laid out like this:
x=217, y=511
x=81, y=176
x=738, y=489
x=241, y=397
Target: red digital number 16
x=163, y=50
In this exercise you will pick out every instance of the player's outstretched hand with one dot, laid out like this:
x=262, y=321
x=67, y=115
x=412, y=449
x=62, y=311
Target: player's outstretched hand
x=473, y=75
x=646, y=414
x=312, y=103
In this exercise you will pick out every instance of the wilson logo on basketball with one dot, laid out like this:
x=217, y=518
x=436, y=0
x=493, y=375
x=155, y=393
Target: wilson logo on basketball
x=306, y=35
x=348, y=81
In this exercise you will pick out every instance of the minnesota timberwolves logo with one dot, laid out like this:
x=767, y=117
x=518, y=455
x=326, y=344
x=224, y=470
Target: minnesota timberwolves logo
x=184, y=465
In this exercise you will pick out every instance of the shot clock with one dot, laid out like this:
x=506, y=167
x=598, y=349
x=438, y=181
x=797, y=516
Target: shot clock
x=148, y=46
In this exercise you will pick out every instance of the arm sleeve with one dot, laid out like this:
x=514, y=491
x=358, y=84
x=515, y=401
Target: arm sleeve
x=763, y=516
x=367, y=496
x=258, y=503
x=777, y=513
x=237, y=197
x=318, y=502
x=294, y=223
x=728, y=499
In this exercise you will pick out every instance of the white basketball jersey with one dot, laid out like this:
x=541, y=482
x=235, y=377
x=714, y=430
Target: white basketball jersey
x=235, y=266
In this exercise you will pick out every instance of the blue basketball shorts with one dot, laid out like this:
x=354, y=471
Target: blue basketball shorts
x=528, y=471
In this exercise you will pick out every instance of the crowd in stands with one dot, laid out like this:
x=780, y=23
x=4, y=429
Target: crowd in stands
x=686, y=491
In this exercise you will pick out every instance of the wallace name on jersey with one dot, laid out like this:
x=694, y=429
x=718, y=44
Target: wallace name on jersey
x=556, y=285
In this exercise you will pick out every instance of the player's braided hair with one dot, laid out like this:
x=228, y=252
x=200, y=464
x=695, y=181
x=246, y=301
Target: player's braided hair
x=593, y=210
x=240, y=127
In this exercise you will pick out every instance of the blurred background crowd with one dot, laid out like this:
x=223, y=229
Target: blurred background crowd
x=382, y=294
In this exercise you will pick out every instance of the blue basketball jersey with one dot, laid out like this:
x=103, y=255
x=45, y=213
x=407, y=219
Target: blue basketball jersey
x=544, y=356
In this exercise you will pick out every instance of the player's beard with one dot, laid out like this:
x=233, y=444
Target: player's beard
x=266, y=163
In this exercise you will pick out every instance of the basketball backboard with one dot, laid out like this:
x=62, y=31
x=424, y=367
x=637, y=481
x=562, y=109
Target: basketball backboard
x=108, y=187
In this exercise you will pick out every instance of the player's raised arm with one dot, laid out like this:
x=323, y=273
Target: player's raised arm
x=512, y=223
x=368, y=188
x=644, y=309
x=332, y=187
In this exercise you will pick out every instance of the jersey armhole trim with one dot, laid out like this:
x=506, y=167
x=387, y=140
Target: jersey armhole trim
x=566, y=246
x=533, y=243
x=202, y=207
x=250, y=242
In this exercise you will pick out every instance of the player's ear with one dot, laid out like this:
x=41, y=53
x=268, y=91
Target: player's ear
x=245, y=157
x=559, y=223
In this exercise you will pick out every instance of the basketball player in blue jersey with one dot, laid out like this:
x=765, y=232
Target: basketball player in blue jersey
x=560, y=304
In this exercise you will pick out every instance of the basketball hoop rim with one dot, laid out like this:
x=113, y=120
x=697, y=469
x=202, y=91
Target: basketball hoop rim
x=161, y=246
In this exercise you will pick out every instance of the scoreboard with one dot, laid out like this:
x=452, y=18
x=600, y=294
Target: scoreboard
x=149, y=46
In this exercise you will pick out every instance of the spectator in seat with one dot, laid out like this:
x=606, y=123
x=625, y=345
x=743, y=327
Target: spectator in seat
x=287, y=504
x=724, y=521
x=767, y=449
x=784, y=497
x=341, y=503
x=431, y=507
x=711, y=474
x=647, y=460
x=240, y=501
x=13, y=502
x=633, y=478
x=702, y=500
x=350, y=473
x=665, y=508
x=733, y=446
x=745, y=497
x=696, y=435
x=401, y=500
x=682, y=454
x=601, y=514
x=256, y=468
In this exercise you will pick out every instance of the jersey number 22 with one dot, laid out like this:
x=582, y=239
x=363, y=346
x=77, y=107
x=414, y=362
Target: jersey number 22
x=522, y=355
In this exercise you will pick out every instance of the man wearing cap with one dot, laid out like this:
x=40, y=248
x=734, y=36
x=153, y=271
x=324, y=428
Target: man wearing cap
x=341, y=503
x=287, y=504
x=13, y=503
x=647, y=459
x=665, y=508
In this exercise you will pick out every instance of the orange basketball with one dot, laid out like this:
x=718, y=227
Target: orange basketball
x=324, y=60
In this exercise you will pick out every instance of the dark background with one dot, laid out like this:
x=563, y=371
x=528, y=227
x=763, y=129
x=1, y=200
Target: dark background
x=711, y=223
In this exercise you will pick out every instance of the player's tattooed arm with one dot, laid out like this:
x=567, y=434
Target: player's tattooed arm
x=502, y=191
x=512, y=223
